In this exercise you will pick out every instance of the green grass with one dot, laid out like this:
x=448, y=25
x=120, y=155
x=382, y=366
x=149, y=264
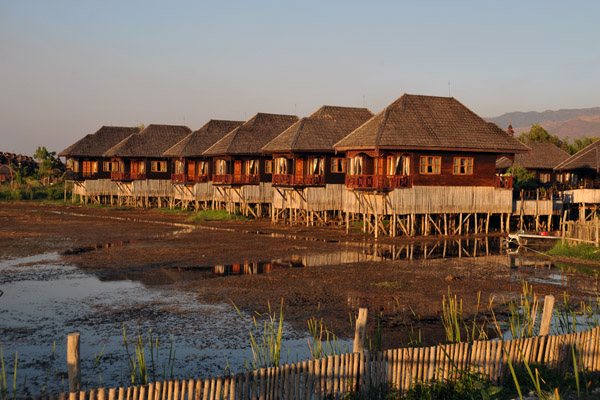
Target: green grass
x=214, y=215
x=391, y=284
x=33, y=192
x=579, y=251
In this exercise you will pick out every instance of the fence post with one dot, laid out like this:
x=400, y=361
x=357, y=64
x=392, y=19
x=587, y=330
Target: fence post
x=597, y=241
x=547, y=315
x=361, y=331
x=74, y=373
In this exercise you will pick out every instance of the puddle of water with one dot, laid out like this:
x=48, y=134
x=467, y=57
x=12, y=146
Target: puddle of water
x=43, y=303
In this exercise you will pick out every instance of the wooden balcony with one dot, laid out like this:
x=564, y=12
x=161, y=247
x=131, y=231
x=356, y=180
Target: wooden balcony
x=293, y=180
x=185, y=178
x=378, y=182
x=126, y=176
x=504, y=182
x=283, y=179
x=229, y=179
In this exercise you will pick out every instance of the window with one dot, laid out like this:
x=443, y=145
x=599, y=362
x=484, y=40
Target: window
x=281, y=165
x=115, y=166
x=463, y=165
x=544, y=177
x=75, y=165
x=251, y=167
x=399, y=165
x=221, y=167
x=158, y=166
x=559, y=178
x=315, y=166
x=90, y=168
x=430, y=164
x=337, y=165
x=179, y=166
x=356, y=165
x=268, y=166
x=106, y=166
x=202, y=168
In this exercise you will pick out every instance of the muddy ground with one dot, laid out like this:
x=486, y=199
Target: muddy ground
x=147, y=246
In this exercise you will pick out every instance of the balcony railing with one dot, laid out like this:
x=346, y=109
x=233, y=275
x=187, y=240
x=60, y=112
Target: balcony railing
x=378, y=182
x=293, y=180
x=222, y=179
x=283, y=179
x=504, y=182
x=229, y=179
x=127, y=176
x=185, y=178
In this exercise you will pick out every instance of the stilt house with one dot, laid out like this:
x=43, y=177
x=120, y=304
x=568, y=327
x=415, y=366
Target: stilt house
x=5, y=173
x=140, y=156
x=427, y=162
x=582, y=169
x=303, y=154
x=238, y=158
x=242, y=175
x=540, y=161
x=308, y=177
x=85, y=157
x=188, y=163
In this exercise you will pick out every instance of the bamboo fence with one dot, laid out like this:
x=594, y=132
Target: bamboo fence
x=334, y=376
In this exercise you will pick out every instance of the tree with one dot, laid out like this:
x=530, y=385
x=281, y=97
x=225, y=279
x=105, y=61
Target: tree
x=538, y=134
x=522, y=179
x=47, y=161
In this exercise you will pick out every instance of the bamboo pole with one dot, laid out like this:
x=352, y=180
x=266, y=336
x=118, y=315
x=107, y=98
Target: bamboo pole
x=74, y=372
x=360, y=331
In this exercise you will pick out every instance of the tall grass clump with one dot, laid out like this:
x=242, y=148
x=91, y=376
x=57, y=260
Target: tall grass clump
x=454, y=321
x=322, y=342
x=214, y=215
x=524, y=318
x=5, y=391
x=140, y=372
x=581, y=251
x=265, y=338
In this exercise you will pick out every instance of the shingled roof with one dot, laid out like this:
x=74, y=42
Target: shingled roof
x=320, y=131
x=151, y=142
x=428, y=122
x=95, y=144
x=586, y=158
x=196, y=143
x=5, y=169
x=541, y=156
x=252, y=136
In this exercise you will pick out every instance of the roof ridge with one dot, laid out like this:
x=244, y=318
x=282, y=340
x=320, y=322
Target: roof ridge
x=579, y=154
x=297, y=134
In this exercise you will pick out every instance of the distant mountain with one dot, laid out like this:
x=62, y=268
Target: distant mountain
x=572, y=123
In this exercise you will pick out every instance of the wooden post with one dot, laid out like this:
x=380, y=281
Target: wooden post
x=547, y=315
x=361, y=331
x=74, y=372
x=597, y=241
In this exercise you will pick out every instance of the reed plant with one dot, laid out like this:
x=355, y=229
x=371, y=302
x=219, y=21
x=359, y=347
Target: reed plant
x=454, y=321
x=265, y=338
x=5, y=392
x=322, y=342
x=524, y=315
x=140, y=372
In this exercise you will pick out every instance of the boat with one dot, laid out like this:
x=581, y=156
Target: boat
x=523, y=238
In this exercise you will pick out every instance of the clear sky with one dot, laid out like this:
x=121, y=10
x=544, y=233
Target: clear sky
x=69, y=67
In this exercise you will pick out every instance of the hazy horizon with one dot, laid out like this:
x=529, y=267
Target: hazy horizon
x=69, y=67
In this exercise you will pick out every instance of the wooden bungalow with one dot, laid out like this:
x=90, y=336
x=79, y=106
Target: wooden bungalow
x=580, y=174
x=582, y=169
x=241, y=173
x=139, y=168
x=191, y=170
x=6, y=174
x=308, y=177
x=540, y=161
x=427, y=163
x=85, y=160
